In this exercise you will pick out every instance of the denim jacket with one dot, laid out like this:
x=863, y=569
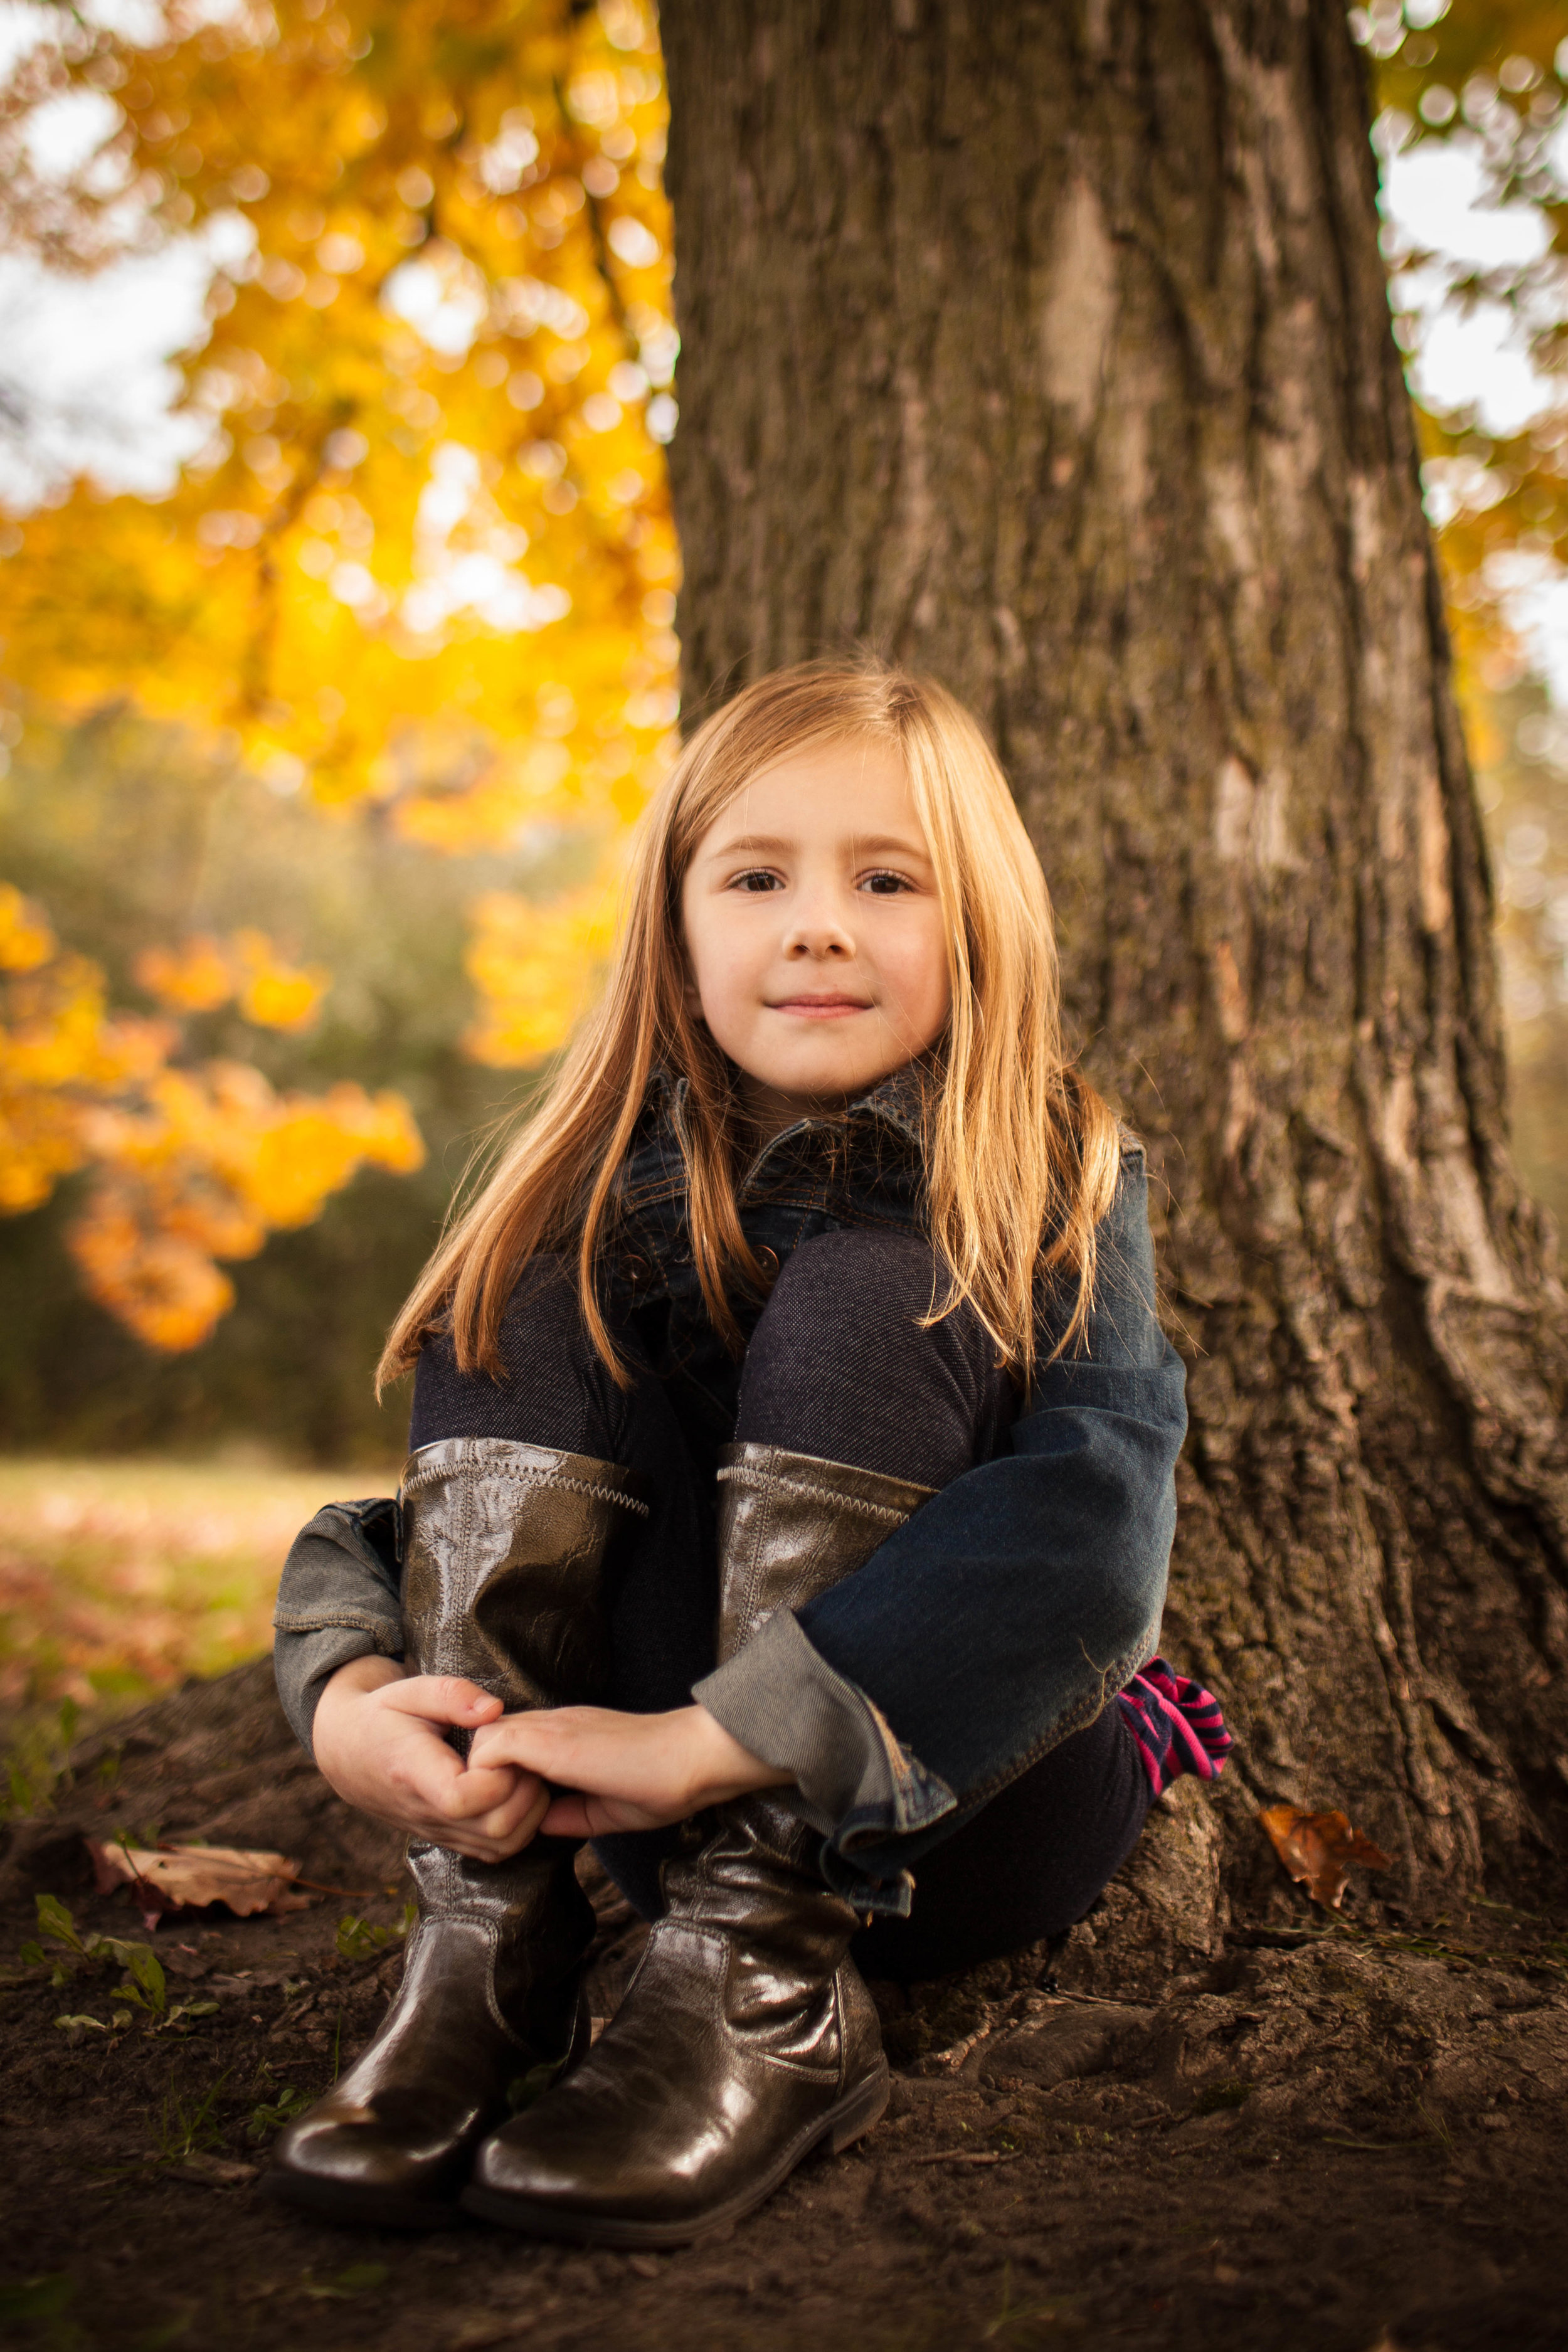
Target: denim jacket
x=999, y=1619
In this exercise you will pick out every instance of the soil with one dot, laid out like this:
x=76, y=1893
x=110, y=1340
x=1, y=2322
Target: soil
x=1291, y=2130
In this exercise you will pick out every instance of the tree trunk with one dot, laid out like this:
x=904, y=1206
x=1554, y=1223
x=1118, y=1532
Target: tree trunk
x=1044, y=344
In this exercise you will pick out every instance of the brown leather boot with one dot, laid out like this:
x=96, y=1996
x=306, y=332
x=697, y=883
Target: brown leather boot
x=504, y=1549
x=746, y=2037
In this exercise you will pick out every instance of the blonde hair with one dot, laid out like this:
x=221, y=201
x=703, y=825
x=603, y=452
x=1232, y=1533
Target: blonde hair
x=1021, y=1154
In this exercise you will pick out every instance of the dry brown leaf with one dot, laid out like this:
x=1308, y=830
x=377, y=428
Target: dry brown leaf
x=177, y=1877
x=1318, y=1850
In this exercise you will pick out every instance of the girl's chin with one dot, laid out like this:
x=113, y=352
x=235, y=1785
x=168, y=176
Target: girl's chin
x=822, y=1082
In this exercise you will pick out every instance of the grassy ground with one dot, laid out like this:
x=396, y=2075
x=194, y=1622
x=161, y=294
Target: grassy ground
x=119, y=1579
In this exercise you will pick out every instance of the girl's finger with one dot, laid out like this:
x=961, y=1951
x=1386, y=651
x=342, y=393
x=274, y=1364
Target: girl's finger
x=476, y=1792
x=570, y=1816
x=440, y=1698
x=533, y=1741
x=513, y=1824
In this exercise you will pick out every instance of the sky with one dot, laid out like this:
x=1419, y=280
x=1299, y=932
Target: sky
x=1479, y=358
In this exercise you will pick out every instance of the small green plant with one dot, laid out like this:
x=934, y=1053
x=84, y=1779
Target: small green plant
x=183, y=2131
x=146, y=1985
x=143, y=1985
x=269, y=2116
x=357, y=1938
x=56, y=1922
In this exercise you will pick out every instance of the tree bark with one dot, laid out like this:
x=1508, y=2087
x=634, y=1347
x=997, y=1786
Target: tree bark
x=1044, y=345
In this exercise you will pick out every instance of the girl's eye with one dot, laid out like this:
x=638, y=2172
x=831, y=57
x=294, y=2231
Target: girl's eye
x=757, y=880
x=883, y=886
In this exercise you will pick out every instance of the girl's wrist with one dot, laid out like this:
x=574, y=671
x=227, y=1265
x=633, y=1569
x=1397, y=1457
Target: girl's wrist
x=355, y=1680
x=362, y=1675
x=720, y=1767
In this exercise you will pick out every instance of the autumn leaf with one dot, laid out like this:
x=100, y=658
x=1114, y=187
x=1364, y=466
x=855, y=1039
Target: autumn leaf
x=249, y=1879
x=1318, y=1850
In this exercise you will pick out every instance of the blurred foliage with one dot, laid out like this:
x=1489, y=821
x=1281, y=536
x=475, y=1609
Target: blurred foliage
x=1487, y=76
x=420, y=563
x=133, y=833
x=191, y=1165
x=439, y=312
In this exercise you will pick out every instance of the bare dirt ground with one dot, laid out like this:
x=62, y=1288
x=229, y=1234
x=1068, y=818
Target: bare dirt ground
x=1177, y=2128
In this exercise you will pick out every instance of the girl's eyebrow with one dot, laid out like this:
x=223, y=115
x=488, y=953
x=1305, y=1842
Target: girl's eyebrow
x=750, y=841
x=864, y=844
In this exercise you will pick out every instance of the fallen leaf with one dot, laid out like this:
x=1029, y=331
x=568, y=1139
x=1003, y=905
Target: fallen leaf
x=174, y=1879
x=1318, y=1850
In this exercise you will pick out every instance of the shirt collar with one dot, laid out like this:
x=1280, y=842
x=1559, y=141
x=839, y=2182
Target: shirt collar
x=898, y=1101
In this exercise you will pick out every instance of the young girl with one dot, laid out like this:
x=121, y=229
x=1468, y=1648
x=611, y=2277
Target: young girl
x=791, y=1460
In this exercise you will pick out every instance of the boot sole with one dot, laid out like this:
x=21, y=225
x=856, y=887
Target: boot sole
x=342, y=2201
x=838, y=2130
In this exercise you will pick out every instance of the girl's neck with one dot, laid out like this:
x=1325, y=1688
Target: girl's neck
x=768, y=1111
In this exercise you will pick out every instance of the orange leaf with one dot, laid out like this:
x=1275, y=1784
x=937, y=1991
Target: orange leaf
x=1318, y=1849
x=246, y=1878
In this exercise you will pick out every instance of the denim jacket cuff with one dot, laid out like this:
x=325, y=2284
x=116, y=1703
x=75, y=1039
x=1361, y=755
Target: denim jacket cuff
x=338, y=1599
x=854, y=1780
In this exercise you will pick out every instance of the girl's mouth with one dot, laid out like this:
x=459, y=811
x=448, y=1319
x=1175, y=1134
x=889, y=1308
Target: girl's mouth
x=821, y=1008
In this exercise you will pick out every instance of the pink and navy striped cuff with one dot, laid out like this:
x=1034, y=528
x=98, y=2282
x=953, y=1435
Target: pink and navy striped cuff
x=1176, y=1723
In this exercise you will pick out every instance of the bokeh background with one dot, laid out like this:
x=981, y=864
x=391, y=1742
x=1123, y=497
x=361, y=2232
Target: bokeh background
x=338, y=586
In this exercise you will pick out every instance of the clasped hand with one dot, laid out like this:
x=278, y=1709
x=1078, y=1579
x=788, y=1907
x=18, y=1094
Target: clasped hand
x=380, y=1737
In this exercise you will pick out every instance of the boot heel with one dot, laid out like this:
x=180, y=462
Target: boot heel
x=861, y=2111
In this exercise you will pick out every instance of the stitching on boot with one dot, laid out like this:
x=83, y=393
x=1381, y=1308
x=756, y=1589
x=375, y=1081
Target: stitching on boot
x=532, y=1482
x=766, y=1482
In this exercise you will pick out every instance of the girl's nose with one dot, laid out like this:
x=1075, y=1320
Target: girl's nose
x=822, y=937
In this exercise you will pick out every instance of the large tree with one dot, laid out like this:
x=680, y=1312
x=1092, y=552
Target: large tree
x=1045, y=345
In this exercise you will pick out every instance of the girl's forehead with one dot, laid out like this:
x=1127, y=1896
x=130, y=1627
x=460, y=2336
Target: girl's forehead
x=825, y=786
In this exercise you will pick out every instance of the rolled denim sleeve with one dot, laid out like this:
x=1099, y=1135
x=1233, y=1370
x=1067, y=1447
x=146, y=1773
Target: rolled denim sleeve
x=782, y=1700
x=1006, y=1612
x=339, y=1598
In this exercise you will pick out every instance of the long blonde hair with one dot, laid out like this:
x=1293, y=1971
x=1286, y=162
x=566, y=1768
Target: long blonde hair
x=1021, y=1154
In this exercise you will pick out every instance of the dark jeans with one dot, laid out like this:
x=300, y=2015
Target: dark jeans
x=838, y=1366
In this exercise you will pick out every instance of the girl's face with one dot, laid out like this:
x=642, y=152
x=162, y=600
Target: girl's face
x=814, y=934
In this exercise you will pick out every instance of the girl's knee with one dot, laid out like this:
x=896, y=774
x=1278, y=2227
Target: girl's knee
x=551, y=1388
x=846, y=1364
x=845, y=1289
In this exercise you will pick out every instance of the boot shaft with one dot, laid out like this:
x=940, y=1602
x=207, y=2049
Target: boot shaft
x=506, y=1550
x=791, y=1526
